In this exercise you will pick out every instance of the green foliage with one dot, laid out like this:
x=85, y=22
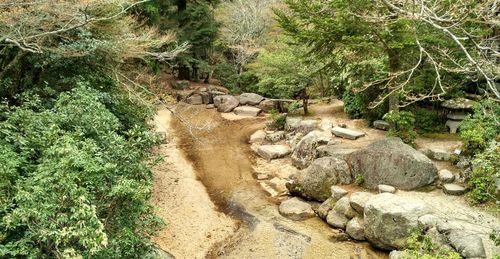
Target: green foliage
x=402, y=126
x=421, y=246
x=359, y=180
x=228, y=75
x=278, y=120
x=428, y=120
x=479, y=129
x=74, y=179
x=486, y=168
x=281, y=70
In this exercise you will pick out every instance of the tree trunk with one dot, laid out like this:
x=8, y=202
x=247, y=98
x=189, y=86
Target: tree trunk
x=394, y=67
x=305, y=101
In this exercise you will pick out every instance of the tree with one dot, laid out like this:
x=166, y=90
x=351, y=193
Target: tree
x=244, y=26
x=428, y=47
x=283, y=72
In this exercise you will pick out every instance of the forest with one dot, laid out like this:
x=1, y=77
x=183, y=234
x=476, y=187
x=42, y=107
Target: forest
x=81, y=82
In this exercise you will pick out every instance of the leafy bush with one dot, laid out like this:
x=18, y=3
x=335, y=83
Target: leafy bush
x=74, y=180
x=278, y=120
x=428, y=120
x=228, y=75
x=486, y=168
x=421, y=246
x=479, y=129
x=356, y=105
x=402, y=126
x=359, y=180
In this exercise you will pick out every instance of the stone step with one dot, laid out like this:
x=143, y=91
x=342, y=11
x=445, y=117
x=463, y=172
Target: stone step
x=347, y=133
x=453, y=189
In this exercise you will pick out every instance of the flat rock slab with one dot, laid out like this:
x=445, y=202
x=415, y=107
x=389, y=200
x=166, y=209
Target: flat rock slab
x=381, y=125
x=257, y=137
x=382, y=188
x=273, y=151
x=453, y=189
x=347, y=133
x=296, y=209
x=247, y=111
x=338, y=192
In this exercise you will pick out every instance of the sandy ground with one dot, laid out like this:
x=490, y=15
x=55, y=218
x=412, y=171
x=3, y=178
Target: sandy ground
x=194, y=225
x=224, y=164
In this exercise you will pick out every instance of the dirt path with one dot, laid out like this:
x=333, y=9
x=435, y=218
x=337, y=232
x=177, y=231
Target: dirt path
x=223, y=163
x=194, y=225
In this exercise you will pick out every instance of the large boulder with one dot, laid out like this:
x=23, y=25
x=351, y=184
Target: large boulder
x=305, y=151
x=359, y=201
x=389, y=219
x=392, y=162
x=306, y=126
x=296, y=209
x=250, y=99
x=468, y=244
x=225, y=103
x=315, y=181
x=292, y=123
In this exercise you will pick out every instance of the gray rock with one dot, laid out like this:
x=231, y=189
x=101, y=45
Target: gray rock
x=397, y=254
x=275, y=136
x=250, y=99
x=446, y=176
x=359, y=200
x=390, y=161
x=338, y=192
x=226, y=103
x=306, y=126
x=355, y=228
x=438, y=240
x=453, y=189
x=343, y=206
x=262, y=176
x=292, y=123
x=336, y=219
x=215, y=93
x=296, y=209
x=463, y=163
x=305, y=151
x=270, y=152
x=335, y=151
x=206, y=97
x=347, y=133
x=325, y=207
x=381, y=125
x=315, y=181
x=389, y=219
x=438, y=154
x=257, y=137
x=247, y=111
x=210, y=106
x=295, y=140
x=386, y=188
x=195, y=99
x=267, y=105
x=427, y=221
x=468, y=244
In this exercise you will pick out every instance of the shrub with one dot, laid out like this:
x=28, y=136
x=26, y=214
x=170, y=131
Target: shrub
x=428, y=120
x=486, y=168
x=278, y=120
x=359, y=180
x=402, y=126
x=356, y=105
x=421, y=246
x=479, y=129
